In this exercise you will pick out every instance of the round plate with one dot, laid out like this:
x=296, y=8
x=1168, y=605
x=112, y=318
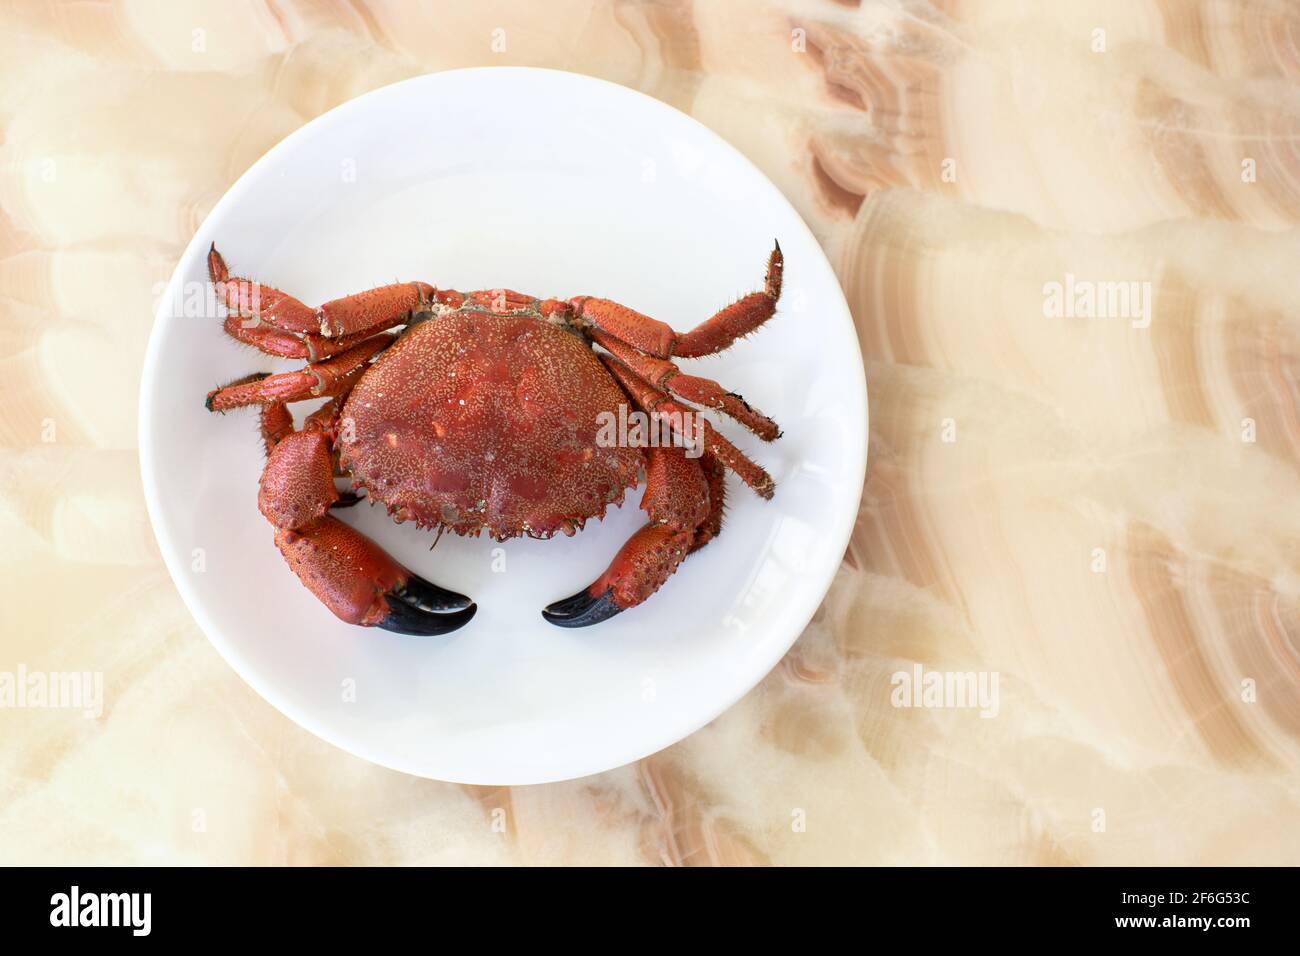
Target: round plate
x=553, y=184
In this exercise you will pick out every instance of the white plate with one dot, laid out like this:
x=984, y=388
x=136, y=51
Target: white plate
x=553, y=184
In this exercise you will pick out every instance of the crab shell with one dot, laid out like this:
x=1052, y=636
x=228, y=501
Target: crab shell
x=485, y=416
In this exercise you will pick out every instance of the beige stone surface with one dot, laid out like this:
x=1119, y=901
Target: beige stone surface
x=1105, y=511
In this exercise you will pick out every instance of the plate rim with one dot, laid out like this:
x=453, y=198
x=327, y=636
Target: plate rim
x=856, y=452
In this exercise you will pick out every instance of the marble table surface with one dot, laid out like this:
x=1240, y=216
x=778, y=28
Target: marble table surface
x=1067, y=233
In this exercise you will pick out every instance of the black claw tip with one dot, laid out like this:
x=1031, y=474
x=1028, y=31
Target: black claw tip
x=405, y=619
x=582, y=610
x=426, y=596
x=420, y=607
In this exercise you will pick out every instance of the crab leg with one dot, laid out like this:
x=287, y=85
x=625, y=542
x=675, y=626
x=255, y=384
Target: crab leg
x=276, y=322
x=653, y=401
x=738, y=319
x=320, y=378
x=658, y=339
x=715, y=475
x=374, y=309
x=667, y=377
x=677, y=501
x=273, y=341
x=276, y=424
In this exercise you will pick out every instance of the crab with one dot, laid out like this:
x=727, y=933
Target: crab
x=482, y=411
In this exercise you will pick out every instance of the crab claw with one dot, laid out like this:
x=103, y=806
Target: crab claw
x=637, y=571
x=361, y=584
x=582, y=609
x=423, y=608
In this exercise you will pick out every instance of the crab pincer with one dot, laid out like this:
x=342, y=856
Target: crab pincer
x=582, y=609
x=682, y=504
x=349, y=573
x=361, y=584
x=641, y=567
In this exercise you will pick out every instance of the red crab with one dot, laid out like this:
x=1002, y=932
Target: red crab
x=483, y=412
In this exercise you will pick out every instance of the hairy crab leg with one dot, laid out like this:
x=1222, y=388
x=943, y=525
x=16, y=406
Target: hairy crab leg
x=738, y=319
x=267, y=318
x=253, y=300
x=291, y=345
x=677, y=501
x=715, y=475
x=658, y=339
x=274, y=420
x=653, y=401
x=667, y=377
x=373, y=309
x=320, y=378
x=627, y=325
